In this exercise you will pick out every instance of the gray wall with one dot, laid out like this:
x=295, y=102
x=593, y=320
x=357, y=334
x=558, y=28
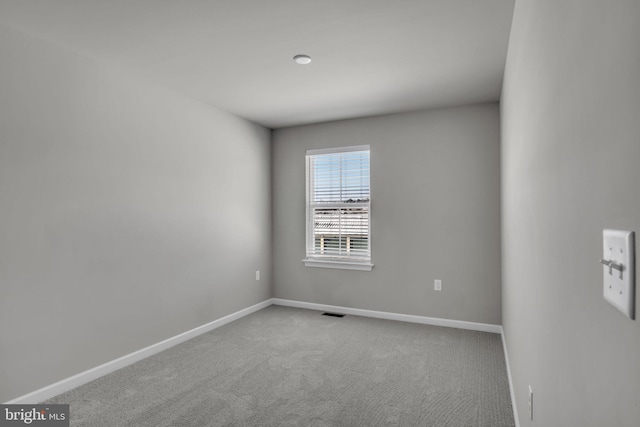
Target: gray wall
x=128, y=214
x=570, y=167
x=435, y=179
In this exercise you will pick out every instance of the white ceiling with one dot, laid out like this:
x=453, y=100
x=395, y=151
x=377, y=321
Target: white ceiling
x=369, y=56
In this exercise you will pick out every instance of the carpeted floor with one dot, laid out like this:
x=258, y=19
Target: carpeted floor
x=284, y=366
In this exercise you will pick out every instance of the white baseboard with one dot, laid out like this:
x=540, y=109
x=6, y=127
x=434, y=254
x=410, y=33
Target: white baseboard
x=106, y=368
x=511, y=389
x=460, y=324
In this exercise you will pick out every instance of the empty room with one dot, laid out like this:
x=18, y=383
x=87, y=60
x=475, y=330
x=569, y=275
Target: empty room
x=319, y=213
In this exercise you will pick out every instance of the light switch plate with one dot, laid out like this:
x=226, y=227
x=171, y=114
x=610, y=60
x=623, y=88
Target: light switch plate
x=619, y=282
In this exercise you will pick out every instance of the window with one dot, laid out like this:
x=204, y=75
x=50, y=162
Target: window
x=338, y=208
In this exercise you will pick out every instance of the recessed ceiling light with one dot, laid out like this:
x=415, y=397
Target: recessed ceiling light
x=302, y=59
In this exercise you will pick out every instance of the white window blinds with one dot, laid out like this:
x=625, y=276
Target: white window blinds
x=338, y=202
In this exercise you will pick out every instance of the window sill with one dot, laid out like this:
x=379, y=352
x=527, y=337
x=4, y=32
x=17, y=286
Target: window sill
x=345, y=265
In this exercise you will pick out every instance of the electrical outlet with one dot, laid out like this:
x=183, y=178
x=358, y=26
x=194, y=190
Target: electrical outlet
x=437, y=285
x=530, y=403
x=257, y=274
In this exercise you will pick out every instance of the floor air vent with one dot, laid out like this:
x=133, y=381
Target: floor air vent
x=333, y=314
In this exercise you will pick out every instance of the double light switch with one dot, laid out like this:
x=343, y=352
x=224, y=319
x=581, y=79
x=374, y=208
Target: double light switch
x=618, y=274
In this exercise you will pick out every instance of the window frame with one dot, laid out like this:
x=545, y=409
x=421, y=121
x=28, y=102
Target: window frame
x=328, y=261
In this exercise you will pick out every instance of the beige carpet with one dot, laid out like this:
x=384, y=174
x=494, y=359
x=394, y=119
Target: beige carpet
x=292, y=367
